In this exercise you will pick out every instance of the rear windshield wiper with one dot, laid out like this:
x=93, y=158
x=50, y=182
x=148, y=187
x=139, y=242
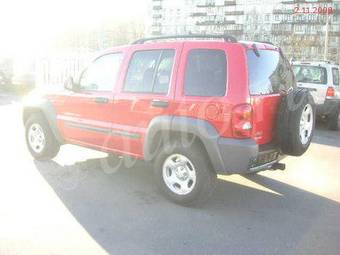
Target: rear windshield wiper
x=256, y=51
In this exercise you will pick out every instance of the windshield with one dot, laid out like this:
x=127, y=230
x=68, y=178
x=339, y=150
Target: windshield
x=310, y=74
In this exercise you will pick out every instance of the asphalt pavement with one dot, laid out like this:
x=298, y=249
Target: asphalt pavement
x=75, y=204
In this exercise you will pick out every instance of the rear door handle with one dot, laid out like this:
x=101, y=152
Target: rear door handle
x=101, y=100
x=160, y=103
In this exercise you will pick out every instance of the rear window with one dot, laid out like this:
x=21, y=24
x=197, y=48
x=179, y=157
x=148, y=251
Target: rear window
x=206, y=73
x=310, y=74
x=269, y=72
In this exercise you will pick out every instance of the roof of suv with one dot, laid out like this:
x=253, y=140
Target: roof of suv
x=196, y=38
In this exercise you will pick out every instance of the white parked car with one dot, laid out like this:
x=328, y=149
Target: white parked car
x=322, y=79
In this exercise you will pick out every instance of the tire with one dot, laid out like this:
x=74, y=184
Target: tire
x=333, y=120
x=199, y=190
x=46, y=146
x=296, y=122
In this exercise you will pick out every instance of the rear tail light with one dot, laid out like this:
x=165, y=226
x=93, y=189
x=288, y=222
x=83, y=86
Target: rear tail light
x=242, y=121
x=330, y=92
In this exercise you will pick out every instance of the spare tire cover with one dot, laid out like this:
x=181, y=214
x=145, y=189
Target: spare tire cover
x=296, y=122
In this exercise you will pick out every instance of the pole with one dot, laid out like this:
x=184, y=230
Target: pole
x=326, y=39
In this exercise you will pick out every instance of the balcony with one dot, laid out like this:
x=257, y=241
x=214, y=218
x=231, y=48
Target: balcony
x=306, y=1
x=205, y=23
x=234, y=13
x=157, y=16
x=292, y=1
x=215, y=23
x=234, y=32
x=296, y=40
x=304, y=22
x=205, y=5
x=198, y=14
x=334, y=33
x=156, y=33
x=156, y=24
x=281, y=32
x=157, y=8
x=278, y=11
x=318, y=2
x=228, y=3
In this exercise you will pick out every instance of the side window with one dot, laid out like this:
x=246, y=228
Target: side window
x=101, y=75
x=336, y=78
x=164, y=71
x=206, y=73
x=150, y=72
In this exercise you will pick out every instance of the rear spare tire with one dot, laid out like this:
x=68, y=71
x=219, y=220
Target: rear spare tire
x=296, y=122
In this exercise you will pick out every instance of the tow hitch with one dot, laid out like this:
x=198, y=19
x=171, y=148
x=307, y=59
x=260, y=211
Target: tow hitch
x=278, y=166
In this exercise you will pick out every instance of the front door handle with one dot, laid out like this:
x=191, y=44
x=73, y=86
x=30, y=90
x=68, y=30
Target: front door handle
x=160, y=103
x=101, y=100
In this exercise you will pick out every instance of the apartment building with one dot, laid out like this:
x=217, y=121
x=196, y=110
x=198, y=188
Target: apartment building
x=301, y=35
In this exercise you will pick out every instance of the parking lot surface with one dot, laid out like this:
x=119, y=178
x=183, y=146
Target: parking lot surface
x=75, y=205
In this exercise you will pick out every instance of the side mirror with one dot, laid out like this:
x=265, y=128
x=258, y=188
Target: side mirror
x=69, y=83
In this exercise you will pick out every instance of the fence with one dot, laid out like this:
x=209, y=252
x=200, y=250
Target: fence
x=52, y=71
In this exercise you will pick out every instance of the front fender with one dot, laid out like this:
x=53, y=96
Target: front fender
x=45, y=107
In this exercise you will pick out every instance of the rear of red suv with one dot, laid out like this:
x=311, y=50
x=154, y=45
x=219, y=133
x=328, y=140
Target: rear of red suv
x=239, y=101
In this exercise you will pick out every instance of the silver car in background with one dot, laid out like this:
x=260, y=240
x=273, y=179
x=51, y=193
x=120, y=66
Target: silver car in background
x=322, y=78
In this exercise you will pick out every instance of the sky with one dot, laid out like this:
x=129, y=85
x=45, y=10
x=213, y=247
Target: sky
x=28, y=26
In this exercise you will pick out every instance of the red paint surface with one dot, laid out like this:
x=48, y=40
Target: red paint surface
x=133, y=112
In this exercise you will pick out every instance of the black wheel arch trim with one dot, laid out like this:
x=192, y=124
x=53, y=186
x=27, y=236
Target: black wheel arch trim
x=45, y=107
x=226, y=155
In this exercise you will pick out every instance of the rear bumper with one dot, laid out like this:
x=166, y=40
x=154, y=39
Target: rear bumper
x=245, y=156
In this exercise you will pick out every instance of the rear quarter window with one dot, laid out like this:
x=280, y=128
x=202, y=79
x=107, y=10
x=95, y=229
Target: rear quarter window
x=206, y=73
x=269, y=72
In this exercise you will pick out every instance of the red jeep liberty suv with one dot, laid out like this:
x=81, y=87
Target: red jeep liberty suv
x=194, y=105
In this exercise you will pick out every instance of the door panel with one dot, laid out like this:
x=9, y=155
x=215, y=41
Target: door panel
x=214, y=105
x=87, y=121
x=147, y=91
x=88, y=113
